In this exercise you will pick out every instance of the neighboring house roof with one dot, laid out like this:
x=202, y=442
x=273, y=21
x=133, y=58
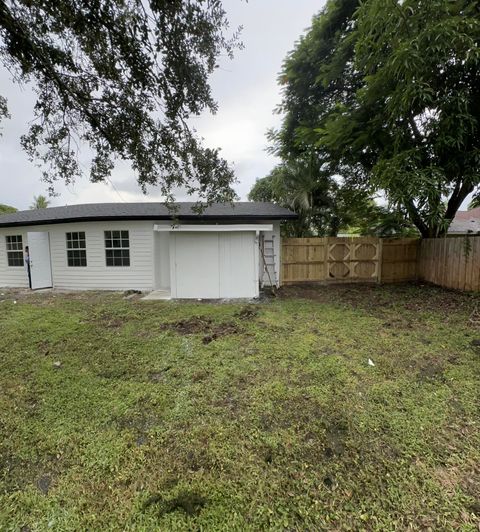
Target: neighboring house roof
x=466, y=222
x=148, y=211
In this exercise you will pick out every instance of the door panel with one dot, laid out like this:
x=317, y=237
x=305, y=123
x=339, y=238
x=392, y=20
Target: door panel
x=238, y=265
x=215, y=265
x=196, y=265
x=40, y=265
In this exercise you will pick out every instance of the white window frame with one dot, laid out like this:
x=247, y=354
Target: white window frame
x=117, y=248
x=14, y=249
x=71, y=250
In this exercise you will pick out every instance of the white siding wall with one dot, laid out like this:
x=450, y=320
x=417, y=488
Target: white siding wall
x=96, y=275
x=162, y=260
x=12, y=276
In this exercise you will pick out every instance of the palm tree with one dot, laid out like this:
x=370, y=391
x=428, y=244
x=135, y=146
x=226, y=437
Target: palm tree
x=39, y=202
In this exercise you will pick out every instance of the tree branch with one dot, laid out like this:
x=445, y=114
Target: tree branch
x=456, y=199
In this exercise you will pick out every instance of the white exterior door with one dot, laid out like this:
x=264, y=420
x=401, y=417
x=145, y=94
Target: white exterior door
x=196, y=265
x=214, y=265
x=40, y=265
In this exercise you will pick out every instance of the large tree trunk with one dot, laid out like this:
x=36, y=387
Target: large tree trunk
x=460, y=192
x=417, y=220
x=458, y=196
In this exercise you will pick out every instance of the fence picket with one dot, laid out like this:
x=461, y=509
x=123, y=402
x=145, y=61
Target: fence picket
x=442, y=261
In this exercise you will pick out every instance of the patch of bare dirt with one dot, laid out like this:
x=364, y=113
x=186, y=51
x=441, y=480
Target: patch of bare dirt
x=203, y=325
x=194, y=325
x=431, y=370
x=190, y=503
x=379, y=299
x=466, y=478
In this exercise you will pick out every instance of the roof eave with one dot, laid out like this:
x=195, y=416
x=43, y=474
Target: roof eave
x=188, y=217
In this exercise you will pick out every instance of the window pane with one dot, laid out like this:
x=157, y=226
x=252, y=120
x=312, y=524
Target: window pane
x=116, y=234
x=117, y=257
x=15, y=258
x=125, y=234
x=77, y=257
x=14, y=243
x=76, y=240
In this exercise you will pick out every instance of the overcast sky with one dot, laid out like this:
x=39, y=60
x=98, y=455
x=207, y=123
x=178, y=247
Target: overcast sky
x=245, y=88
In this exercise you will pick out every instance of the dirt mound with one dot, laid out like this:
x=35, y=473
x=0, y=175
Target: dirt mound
x=203, y=325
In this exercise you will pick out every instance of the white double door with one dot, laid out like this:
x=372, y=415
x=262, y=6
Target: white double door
x=40, y=263
x=214, y=265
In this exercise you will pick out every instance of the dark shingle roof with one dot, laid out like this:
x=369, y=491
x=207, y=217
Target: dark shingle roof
x=240, y=211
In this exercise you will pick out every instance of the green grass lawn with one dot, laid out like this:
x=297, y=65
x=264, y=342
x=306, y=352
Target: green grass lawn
x=201, y=416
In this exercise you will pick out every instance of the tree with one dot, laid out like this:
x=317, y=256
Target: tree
x=370, y=219
x=6, y=209
x=301, y=185
x=121, y=77
x=323, y=205
x=39, y=202
x=388, y=93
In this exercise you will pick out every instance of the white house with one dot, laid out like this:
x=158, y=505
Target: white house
x=223, y=251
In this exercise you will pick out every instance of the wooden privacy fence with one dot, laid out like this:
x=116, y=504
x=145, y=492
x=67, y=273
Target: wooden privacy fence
x=347, y=260
x=452, y=262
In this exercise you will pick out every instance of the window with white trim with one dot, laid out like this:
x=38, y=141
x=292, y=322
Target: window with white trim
x=117, y=248
x=15, y=250
x=76, y=249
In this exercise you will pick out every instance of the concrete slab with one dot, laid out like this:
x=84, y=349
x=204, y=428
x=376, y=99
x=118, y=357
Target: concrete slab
x=157, y=295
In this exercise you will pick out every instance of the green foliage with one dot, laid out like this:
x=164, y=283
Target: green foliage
x=301, y=185
x=323, y=205
x=121, y=78
x=370, y=219
x=6, y=209
x=279, y=424
x=475, y=202
x=388, y=94
x=39, y=202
